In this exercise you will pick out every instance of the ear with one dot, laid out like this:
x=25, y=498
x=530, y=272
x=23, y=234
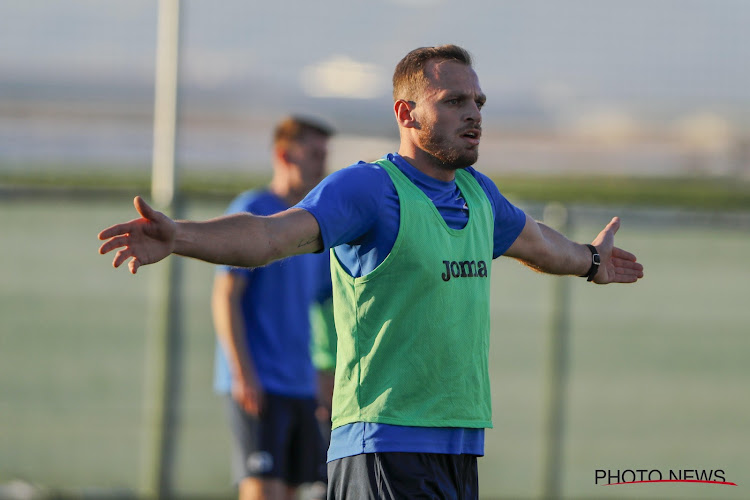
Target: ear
x=404, y=111
x=281, y=155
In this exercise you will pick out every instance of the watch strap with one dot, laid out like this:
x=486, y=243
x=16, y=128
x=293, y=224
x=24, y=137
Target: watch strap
x=595, y=263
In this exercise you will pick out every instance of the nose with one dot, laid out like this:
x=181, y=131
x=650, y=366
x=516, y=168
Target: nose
x=474, y=113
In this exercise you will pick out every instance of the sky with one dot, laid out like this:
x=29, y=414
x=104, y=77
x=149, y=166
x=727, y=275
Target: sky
x=558, y=62
x=609, y=49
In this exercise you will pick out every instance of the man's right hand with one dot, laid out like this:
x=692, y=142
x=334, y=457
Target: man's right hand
x=249, y=396
x=144, y=241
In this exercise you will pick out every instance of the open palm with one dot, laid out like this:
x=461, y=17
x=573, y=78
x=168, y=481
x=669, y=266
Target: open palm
x=617, y=265
x=144, y=241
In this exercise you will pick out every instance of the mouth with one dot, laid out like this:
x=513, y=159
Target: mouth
x=472, y=136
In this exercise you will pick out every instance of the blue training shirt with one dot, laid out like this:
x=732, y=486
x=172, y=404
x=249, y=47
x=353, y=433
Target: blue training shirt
x=275, y=309
x=357, y=209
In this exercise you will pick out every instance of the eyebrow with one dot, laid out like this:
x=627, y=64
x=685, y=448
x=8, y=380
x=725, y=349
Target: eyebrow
x=464, y=95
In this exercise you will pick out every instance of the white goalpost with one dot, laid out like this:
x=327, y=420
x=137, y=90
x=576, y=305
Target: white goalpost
x=164, y=338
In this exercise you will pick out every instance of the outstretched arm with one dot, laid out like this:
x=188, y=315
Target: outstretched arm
x=546, y=250
x=242, y=240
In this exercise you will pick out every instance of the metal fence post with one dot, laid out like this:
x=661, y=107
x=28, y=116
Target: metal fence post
x=164, y=338
x=558, y=217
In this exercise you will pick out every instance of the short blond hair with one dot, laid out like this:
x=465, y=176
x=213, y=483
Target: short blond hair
x=409, y=77
x=293, y=128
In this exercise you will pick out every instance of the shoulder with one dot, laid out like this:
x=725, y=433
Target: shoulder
x=362, y=172
x=505, y=211
x=244, y=199
x=258, y=201
x=358, y=182
x=348, y=202
x=488, y=185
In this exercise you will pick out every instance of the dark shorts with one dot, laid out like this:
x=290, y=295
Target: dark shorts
x=396, y=475
x=283, y=443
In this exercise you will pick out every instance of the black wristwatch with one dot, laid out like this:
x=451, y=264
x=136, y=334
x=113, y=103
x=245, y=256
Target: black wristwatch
x=595, y=261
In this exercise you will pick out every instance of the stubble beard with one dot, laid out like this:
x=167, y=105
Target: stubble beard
x=446, y=155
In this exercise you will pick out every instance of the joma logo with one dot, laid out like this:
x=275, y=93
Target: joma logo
x=464, y=269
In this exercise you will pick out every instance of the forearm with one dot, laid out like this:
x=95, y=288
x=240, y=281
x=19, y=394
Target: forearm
x=545, y=250
x=230, y=332
x=246, y=240
x=235, y=348
x=561, y=255
x=240, y=240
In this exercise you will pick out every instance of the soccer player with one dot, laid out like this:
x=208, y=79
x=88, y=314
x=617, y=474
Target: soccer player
x=261, y=315
x=413, y=235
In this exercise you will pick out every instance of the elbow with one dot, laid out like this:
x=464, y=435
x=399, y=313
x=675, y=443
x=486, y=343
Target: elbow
x=259, y=257
x=269, y=252
x=268, y=239
x=256, y=250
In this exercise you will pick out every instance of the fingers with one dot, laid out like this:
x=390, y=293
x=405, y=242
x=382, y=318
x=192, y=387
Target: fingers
x=628, y=275
x=250, y=399
x=125, y=253
x=125, y=235
x=121, y=256
x=619, y=253
x=256, y=407
x=620, y=275
x=627, y=264
x=144, y=208
x=116, y=242
x=613, y=225
x=621, y=265
x=626, y=271
x=252, y=405
x=625, y=261
x=117, y=229
x=625, y=278
x=633, y=273
x=606, y=237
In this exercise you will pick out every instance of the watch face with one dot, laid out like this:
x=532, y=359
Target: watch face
x=597, y=259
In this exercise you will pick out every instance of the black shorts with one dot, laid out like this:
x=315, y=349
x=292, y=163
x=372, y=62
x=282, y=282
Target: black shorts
x=397, y=476
x=283, y=443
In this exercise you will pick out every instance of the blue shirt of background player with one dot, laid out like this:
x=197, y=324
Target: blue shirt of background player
x=275, y=308
x=357, y=209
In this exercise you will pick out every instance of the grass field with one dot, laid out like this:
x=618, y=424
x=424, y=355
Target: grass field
x=691, y=192
x=658, y=379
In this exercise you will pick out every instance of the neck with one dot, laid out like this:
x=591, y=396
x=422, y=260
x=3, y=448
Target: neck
x=426, y=163
x=285, y=191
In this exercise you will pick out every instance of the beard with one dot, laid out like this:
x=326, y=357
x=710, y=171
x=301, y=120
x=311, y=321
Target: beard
x=447, y=155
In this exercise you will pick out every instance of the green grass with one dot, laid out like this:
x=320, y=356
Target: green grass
x=220, y=184
x=685, y=192
x=703, y=193
x=658, y=371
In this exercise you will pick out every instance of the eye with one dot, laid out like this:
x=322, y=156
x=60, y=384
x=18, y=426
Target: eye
x=480, y=104
x=452, y=101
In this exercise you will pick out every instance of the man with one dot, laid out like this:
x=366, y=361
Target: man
x=413, y=236
x=324, y=353
x=262, y=322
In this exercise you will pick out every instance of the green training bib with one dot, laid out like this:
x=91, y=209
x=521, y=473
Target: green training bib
x=413, y=334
